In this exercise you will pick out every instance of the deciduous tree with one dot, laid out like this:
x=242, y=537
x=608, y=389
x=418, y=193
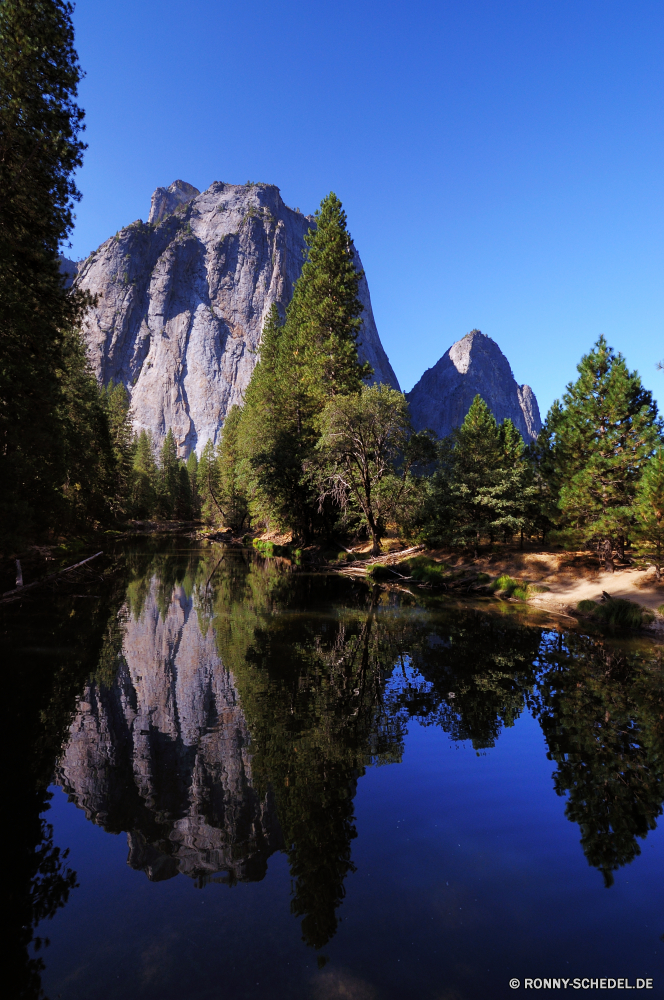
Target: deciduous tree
x=364, y=436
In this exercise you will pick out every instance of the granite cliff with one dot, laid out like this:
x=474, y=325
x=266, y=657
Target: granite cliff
x=474, y=365
x=182, y=300
x=162, y=754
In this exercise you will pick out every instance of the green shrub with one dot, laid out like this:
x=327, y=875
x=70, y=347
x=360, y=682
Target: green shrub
x=483, y=578
x=264, y=547
x=660, y=609
x=423, y=569
x=505, y=585
x=346, y=557
x=617, y=613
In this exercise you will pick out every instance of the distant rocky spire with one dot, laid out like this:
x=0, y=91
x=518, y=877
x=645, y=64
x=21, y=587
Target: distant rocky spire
x=473, y=365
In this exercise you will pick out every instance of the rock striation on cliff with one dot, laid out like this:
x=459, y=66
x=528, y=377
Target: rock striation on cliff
x=474, y=365
x=182, y=300
x=162, y=753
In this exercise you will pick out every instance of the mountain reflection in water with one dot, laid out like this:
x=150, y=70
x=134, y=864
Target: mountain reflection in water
x=162, y=753
x=234, y=705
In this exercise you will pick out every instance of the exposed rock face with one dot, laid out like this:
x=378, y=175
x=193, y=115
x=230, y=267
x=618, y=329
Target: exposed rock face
x=162, y=754
x=474, y=365
x=183, y=298
x=166, y=200
x=68, y=268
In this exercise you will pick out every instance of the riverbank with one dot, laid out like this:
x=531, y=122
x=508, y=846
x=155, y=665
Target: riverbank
x=552, y=581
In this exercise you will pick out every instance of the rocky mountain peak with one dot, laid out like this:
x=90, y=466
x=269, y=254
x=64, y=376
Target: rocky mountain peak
x=166, y=200
x=181, y=303
x=473, y=365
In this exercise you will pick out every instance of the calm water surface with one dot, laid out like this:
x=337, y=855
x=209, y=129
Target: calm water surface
x=279, y=785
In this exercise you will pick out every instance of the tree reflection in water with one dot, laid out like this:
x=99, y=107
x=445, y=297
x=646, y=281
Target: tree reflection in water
x=601, y=711
x=51, y=645
x=235, y=711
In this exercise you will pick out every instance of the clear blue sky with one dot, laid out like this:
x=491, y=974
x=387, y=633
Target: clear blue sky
x=501, y=161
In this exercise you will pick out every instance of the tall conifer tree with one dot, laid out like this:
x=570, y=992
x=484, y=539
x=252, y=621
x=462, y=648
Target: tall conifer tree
x=232, y=492
x=208, y=485
x=303, y=363
x=192, y=469
x=601, y=439
x=144, y=487
x=649, y=509
x=324, y=316
x=169, y=477
x=183, y=505
x=116, y=401
x=40, y=147
x=484, y=486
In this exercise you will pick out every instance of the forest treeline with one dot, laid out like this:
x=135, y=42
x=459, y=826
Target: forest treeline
x=316, y=451
x=320, y=453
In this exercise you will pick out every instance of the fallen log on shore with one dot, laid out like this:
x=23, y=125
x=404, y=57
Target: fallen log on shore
x=12, y=595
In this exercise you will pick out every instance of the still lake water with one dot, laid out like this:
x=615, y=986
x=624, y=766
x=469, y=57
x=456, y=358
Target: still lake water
x=284, y=785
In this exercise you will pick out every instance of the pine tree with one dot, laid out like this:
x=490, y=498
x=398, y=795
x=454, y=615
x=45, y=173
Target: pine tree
x=510, y=500
x=477, y=444
x=232, y=495
x=144, y=490
x=541, y=457
x=192, y=469
x=323, y=319
x=484, y=485
x=476, y=457
x=512, y=446
x=208, y=485
x=169, y=478
x=117, y=406
x=515, y=497
x=602, y=436
x=90, y=492
x=183, y=507
x=649, y=508
x=40, y=147
x=303, y=363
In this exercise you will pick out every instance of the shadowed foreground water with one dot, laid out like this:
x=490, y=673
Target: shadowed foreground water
x=232, y=780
